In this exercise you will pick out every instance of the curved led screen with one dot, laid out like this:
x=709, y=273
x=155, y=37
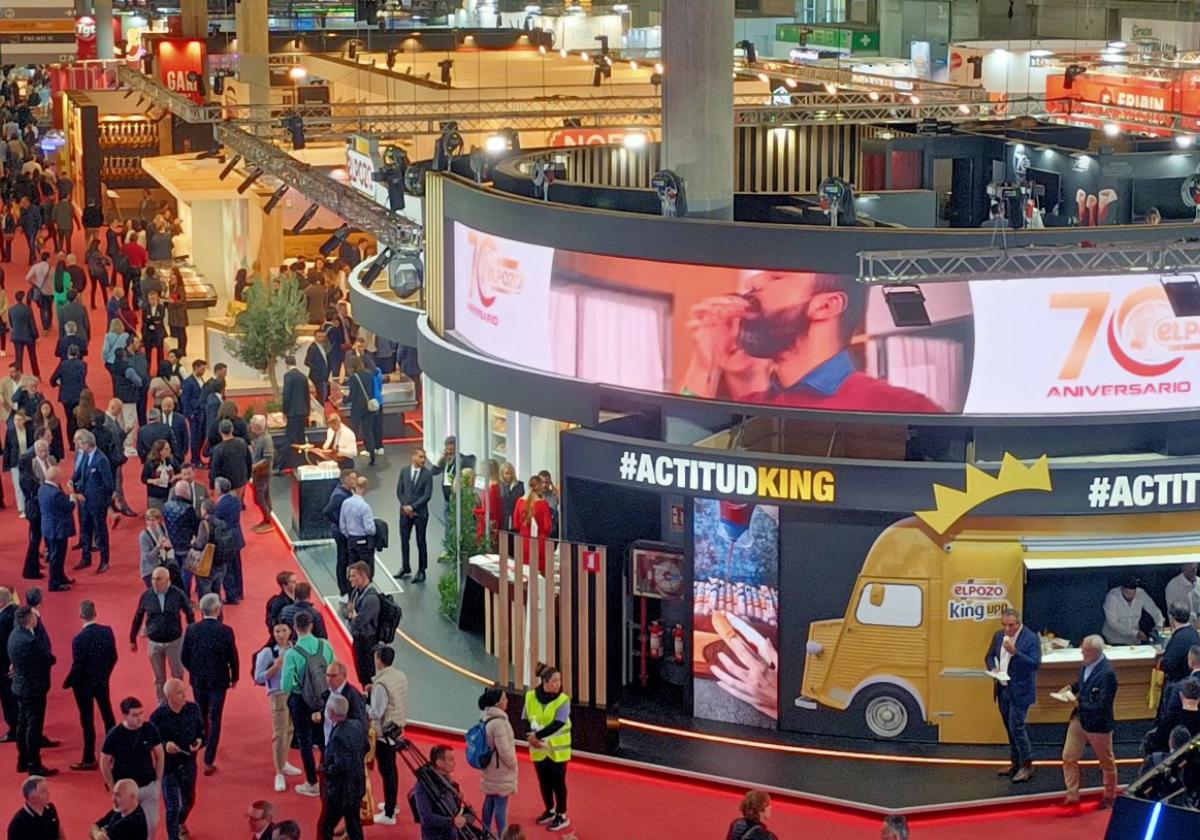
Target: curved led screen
x=1023, y=347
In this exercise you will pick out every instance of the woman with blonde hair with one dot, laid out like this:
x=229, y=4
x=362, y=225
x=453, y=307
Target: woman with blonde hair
x=115, y=339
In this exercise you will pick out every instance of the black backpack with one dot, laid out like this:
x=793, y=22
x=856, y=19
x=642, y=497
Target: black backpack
x=389, y=618
x=221, y=536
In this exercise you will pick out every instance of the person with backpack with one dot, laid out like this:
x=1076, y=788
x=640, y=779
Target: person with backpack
x=756, y=810
x=491, y=748
x=304, y=683
x=548, y=710
x=268, y=672
x=229, y=511
x=388, y=711
x=362, y=611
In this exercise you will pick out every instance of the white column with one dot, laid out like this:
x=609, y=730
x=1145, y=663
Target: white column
x=104, y=29
x=253, y=50
x=698, y=102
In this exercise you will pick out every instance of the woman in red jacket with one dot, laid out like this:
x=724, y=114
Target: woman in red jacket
x=490, y=505
x=533, y=519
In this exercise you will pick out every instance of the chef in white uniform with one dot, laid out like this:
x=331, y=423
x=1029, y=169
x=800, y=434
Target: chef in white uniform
x=1185, y=588
x=1123, y=608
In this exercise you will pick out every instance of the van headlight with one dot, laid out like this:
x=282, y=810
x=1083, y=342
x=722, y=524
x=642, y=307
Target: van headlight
x=814, y=648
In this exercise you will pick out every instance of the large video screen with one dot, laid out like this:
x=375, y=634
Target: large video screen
x=807, y=340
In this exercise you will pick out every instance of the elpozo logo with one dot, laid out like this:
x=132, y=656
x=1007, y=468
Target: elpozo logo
x=492, y=273
x=705, y=476
x=976, y=600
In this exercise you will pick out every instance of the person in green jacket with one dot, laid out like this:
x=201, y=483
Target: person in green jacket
x=292, y=685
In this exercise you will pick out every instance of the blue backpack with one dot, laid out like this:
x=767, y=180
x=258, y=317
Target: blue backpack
x=479, y=754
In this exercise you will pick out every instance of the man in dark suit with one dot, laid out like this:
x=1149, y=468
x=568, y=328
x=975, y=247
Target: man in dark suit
x=345, y=781
x=1092, y=721
x=192, y=404
x=93, y=481
x=333, y=510
x=24, y=333
x=295, y=408
x=230, y=459
x=71, y=339
x=32, y=468
x=70, y=377
x=1016, y=652
x=413, y=490
x=155, y=430
x=31, y=661
x=1183, y=636
x=58, y=526
x=8, y=700
x=177, y=423
x=317, y=362
x=260, y=814
x=210, y=655
x=93, y=657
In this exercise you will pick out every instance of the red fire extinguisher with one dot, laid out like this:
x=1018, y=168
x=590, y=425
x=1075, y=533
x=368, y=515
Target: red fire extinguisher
x=678, y=636
x=656, y=640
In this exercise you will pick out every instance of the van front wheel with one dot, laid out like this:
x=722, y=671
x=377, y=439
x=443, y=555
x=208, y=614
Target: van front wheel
x=887, y=711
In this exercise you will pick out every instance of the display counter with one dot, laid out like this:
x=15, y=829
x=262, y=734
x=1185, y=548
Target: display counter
x=1133, y=664
x=199, y=293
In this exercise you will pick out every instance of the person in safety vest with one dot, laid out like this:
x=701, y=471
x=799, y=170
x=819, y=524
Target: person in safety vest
x=548, y=710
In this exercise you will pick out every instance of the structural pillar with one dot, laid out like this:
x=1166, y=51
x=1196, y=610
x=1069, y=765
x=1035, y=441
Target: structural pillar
x=104, y=29
x=253, y=51
x=193, y=18
x=697, y=107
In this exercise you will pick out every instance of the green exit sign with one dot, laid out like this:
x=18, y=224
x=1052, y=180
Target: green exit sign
x=830, y=38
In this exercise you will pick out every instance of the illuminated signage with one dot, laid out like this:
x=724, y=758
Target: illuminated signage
x=181, y=66
x=704, y=476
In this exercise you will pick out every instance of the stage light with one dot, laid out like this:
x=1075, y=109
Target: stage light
x=964, y=109
x=334, y=242
x=907, y=305
x=749, y=50
x=873, y=95
x=831, y=88
x=1184, y=141
x=294, y=124
x=297, y=73
x=377, y=265
x=446, y=65
x=1111, y=129
x=916, y=100
x=658, y=68
x=211, y=153
x=1072, y=72
x=254, y=175
x=233, y=161
x=1183, y=293
x=198, y=80
x=391, y=59
x=603, y=39
x=496, y=144
x=275, y=198
x=305, y=218
x=634, y=140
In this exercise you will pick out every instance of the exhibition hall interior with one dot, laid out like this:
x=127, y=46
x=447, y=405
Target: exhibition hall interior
x=483, y=420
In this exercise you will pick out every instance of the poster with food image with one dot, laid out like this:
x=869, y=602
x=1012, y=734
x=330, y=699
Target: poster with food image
x=735, y=613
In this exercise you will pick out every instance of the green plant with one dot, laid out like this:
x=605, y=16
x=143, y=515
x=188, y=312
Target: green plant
x=460, y=540
x=448, y=596
x=267, y=328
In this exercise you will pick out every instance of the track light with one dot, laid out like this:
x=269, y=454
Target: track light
x=254, y=175
x=233, y=161
x=391, y=59
x=128, y=94
x=377, y=265
x=305, y=218
x=907, y=305
x=749, y=49
x=211, y=153
x=141, y=101
x=446, y=64
x=275, y=198
x=334, y=242
x=294, y=124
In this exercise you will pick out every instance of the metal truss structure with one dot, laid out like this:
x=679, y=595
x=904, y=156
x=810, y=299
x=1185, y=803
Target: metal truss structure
x=953, y=265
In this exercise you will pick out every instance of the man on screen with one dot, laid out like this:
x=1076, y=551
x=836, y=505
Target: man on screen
x=783, y=341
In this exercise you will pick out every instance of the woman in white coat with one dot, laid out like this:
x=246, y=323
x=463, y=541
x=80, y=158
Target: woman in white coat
x=499, y=778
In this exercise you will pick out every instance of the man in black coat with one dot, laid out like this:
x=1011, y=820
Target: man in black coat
x=71, y=339
x=8, y=700
x=413, y=491
x=153, y=431
x=345, y=779
x=31, y=661
x=177, y=423
x=1091, y=721
x=70, y=377
x=93, y=657
x=32, y=468
x=317, y=361
x=295, y=408
x=230, y=459
x=24, y=333
x=210, y=655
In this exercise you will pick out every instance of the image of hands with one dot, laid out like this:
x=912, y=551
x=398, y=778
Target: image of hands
x=735, y=614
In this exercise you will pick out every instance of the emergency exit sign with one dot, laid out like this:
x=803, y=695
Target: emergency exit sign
x=830, y=38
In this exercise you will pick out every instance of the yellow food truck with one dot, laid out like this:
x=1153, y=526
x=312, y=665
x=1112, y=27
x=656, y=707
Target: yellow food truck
x=910, y=648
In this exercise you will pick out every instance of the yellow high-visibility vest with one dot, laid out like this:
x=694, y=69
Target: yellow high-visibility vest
x=539, y=717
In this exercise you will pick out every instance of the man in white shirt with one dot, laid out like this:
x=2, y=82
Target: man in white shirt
x=1185, y=588
x=1123, y=608
x=340, y=443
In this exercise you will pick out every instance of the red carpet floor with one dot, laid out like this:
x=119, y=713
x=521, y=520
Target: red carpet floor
x=610, y=803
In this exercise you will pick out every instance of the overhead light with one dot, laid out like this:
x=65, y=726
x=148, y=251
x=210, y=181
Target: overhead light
x=831, y=88
x=563, y=52
x=790, y=82
x=233, y=161
x=542, y=49
x=914, y=99
x=1183, y=293
x=305, y=218
x=750, y=52
x=873, y=95
x=584, y=56
x=1072, y=72
x=294, y=125
x=634, y=140
x=633, y=65
x=1040, y=53
x=907, y=305
x=334, y=242
x=1184, y=141
x=764, y=78
x=1112, y=129
x=658, y=68
x=1000, y=51
x=254, y=175
x=1117, y=45
x=495, y=144
x=297, y=73
x=964, y=109
x=128, y=94
x=275, y=198
x=376, y=267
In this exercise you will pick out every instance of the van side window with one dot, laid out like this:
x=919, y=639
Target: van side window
x=890, y=605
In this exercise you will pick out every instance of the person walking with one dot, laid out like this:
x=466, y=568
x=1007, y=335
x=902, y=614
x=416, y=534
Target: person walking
x=228, y=510
x=357, y=522
x=1091, y=722
x=548, y=711
x=388, y=713
x=154, y=549
x=182, y=522
x=133, y=750
x=1016, y=652
x=32, y=467
x=58, y=526
x=24, y=333
x=413, y=490
x=30, y=661
x=192, y=406
x=333, y=513
x=93, y=480
x=498, y=779
x=343, y=769
x=210, y=654
x=756, y=810
x=262, y=456
x=70, y=377
x=304, y=683
x=362, y=611
x=230, y=459
x=160, y=608
x=8, y=700
x=178, y=721
x=295, y=409
x=268, y=672
x=436, y=824
x=93, y=657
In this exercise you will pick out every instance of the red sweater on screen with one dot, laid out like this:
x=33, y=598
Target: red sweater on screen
x=834, y=385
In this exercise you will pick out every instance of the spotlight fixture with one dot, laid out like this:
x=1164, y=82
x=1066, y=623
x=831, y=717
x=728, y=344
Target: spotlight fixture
x=391, y=59
x=305, y=218
x=504, y=140
x=634, y=140
x=392, y=175
x=233, y=161
x=211, y=153
x=1111, y=129
x=197, y=79
x=1073, y=72
x=1183, y=293
x=128, y=94
x=603, y=39
x=275, y=198
x=377, y=265
x=141, y=101
x=352, y=49
x=254, y=175
x=446, y=64
x=1184, y=141
x=294, y=124
x=751, y=52
x=907, y=305
x=334, y=242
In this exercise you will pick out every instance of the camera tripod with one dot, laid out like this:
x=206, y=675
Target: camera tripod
x=447, y=801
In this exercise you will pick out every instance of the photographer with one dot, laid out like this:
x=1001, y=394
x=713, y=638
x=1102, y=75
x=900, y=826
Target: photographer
x=433, y=804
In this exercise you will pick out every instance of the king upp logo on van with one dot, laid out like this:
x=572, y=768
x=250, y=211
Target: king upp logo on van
x=976, y=600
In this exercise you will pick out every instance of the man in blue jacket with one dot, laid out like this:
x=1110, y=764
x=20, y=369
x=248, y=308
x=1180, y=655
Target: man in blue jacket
x=93, y=481
x=1016, y=652
x=58, y=526
x=1092, y=722
x=192, y=405
x=70, y=377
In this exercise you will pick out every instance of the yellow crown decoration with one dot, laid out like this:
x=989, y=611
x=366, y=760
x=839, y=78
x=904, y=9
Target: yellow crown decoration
x=952, y=505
